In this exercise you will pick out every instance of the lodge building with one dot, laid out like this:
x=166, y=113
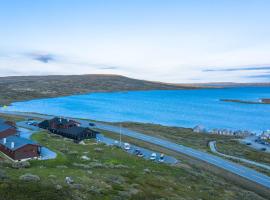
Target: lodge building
x=15, y=147
x=19, y=149
x=68, y=128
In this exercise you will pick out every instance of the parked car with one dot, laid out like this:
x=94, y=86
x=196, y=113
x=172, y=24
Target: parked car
x=263, y=149
x=161, y=158
x=91, y=124
x=153, y=156
x=138, y=153
x=127, y=146
x=248, y=143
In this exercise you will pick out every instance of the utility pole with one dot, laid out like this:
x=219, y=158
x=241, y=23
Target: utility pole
x=120, y=135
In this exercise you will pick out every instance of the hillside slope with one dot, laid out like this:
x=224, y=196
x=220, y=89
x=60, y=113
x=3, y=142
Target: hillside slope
x=19, y=88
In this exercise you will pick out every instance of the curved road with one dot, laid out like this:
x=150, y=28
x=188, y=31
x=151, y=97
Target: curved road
x=235, y=168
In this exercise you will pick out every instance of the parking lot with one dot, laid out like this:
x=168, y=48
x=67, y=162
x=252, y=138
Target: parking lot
x=145, y=153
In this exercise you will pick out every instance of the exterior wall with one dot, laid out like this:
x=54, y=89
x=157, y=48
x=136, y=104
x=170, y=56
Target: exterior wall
x=8, y=132
x=7, y=151
x=27, y=151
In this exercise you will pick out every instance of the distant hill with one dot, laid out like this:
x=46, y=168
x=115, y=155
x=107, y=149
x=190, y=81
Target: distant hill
x=19, y=88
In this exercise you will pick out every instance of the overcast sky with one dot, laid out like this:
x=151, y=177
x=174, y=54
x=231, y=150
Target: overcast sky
x=172, y=41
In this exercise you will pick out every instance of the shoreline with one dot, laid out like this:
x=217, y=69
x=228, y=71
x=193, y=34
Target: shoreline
x=261, y=101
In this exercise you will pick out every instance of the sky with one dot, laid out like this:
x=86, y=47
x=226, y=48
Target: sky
x=177, y=41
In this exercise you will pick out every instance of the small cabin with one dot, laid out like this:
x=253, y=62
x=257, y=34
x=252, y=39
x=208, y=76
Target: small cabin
x=19, y=149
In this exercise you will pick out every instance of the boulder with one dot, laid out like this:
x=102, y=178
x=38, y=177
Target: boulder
x=98, y=149
x=58, y=187
x=19, y=165
x=29, y=177
x=85, y=157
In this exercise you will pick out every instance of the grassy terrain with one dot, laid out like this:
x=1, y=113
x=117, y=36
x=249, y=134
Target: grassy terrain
x=11, y=118
x=111, y=174
x=179, y=135
x=225, y=144
x=234, y=148
x=31, y=87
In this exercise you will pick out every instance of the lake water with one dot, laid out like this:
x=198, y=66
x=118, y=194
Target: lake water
x=184, y=108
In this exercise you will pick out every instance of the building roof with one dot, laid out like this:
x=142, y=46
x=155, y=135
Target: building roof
x=58, y=121
x=3, y=125
x=75, y=130
x=63, y=121
x=18, y=142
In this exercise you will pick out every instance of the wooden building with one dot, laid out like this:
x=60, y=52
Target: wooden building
x=76, y=133
x=68, y=128
x=7, y=129
x=57, y=123
x=19, y=149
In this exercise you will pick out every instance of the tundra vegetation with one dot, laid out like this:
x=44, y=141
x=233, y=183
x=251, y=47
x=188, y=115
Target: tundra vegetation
x=97, y=171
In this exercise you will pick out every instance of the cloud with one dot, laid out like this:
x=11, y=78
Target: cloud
x=237, y=69
x=108, y=67
x=260, y=76
x=44, y=58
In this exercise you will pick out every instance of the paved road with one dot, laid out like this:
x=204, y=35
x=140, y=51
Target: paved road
x=213, y=148
x=235, y=168
x=146, y=152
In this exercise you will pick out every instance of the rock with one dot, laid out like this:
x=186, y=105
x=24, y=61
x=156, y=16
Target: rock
x=95, y=190
x=147, y=170
x=89, y=172
x=81, y=165
x=82, y=142
x=69, y=180
x=116, y=179
x=52, y=176
x=129, y=193
x=121, y=166
x=58, y=187
x=98, y=149
x=97, y=165
x=20, y=165
x=29, y=177
x=85, y=157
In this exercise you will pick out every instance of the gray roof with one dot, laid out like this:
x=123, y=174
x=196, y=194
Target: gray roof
x=3, y=125
x=18, y=142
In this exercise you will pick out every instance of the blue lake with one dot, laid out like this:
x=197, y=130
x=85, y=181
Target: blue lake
x=184, y=108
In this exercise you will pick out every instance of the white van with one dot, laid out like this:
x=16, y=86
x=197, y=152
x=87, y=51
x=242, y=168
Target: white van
x=126, y=146
x=153, y=156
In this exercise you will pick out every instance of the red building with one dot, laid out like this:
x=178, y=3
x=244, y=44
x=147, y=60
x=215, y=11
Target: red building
x=18, y=148
x=58, y=122
x=7, y=129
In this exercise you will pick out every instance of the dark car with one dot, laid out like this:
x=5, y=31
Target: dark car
x=263, y=149
x=91, y=124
